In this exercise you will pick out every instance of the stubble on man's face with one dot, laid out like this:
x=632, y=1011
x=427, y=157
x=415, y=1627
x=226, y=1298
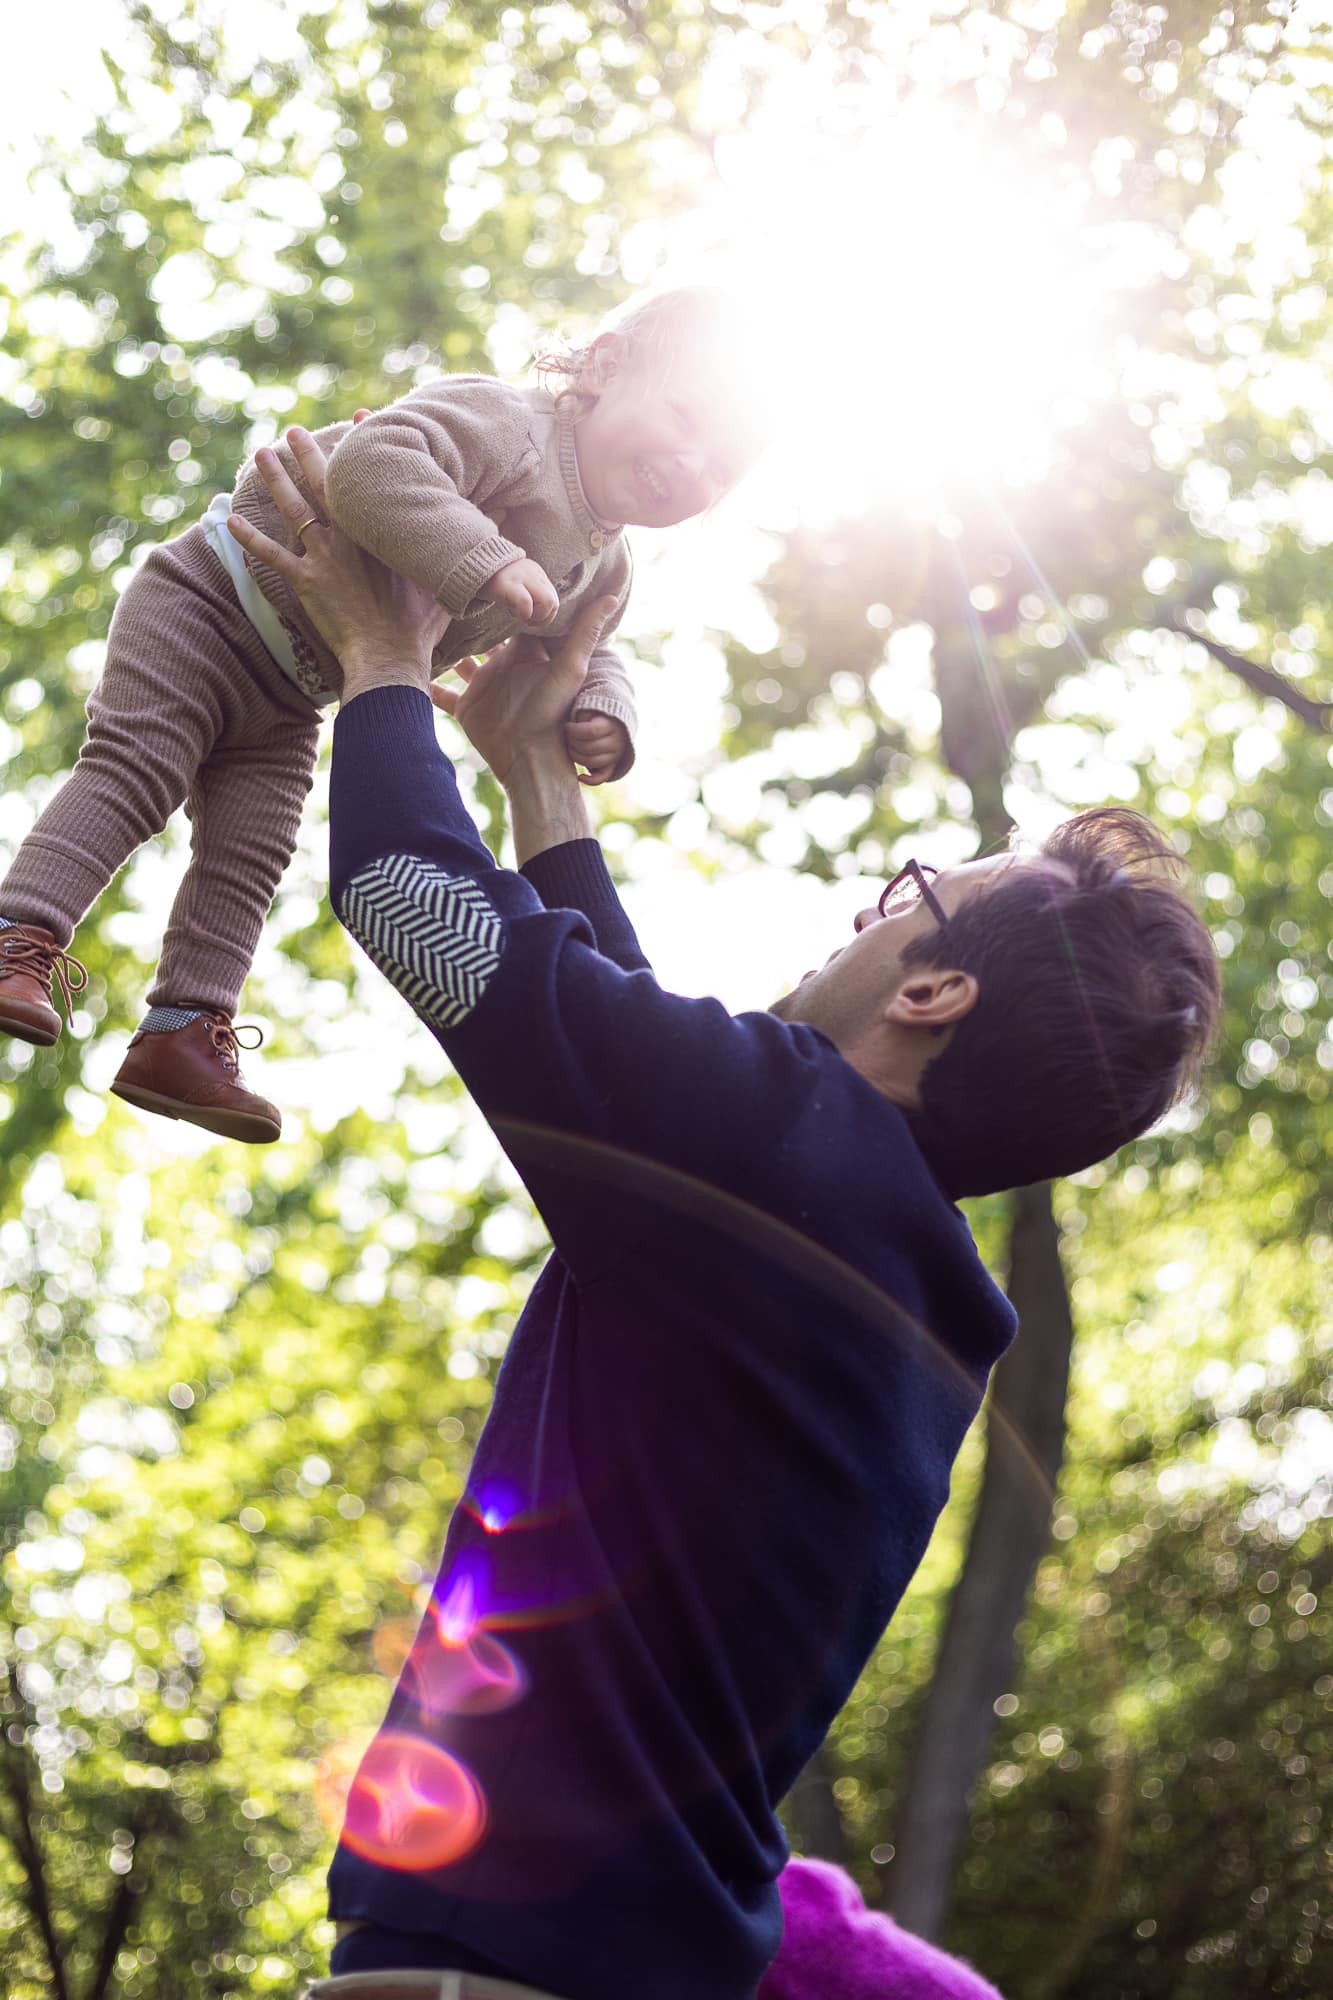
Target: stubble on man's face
x=838, y=997
x=863, y=974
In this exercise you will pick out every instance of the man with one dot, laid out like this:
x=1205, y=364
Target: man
x=725, y=1424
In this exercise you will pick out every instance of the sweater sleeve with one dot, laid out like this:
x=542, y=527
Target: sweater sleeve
x=573, y=876
x=607, y=689
x=613, y=1098
x=412, y=483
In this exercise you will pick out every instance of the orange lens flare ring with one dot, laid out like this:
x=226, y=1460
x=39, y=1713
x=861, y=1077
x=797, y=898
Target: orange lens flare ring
x=334, y=1774
x=399, y=1798
x=412, y=1806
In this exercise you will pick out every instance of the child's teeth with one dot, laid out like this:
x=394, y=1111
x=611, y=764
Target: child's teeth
x=651, y=480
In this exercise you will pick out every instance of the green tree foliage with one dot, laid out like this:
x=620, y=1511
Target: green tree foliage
x=240, y=1398
x=240, y=1395
x=240, y=1428
x=1171, y=1717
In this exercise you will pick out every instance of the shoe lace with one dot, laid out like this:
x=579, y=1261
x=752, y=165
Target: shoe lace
x=28, y=954
x=226, y=1039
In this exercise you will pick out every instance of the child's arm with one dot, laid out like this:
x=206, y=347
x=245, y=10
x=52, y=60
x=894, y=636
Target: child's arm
x=412, y=482
x=601, y=728
x=526, y=588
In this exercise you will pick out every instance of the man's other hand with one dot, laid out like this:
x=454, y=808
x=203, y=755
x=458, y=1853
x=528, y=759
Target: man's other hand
x=382, y=627
x=514, y=703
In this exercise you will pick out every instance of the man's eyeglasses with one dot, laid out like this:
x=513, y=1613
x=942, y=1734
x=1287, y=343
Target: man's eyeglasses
x=908, y=887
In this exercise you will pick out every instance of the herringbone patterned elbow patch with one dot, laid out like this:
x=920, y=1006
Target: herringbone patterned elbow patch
x=435, y=936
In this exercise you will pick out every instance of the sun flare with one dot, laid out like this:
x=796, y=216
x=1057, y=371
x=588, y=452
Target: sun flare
x=931, y=301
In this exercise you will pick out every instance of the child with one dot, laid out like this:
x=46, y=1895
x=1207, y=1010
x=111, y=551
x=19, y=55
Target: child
x=509, y=504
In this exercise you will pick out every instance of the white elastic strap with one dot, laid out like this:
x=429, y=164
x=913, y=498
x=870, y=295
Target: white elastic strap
x=251, y=598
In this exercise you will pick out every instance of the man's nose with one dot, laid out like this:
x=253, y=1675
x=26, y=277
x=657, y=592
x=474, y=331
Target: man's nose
x=870, y=915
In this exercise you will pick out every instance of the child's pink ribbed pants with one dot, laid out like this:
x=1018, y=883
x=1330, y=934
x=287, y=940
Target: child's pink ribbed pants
x=190, y=709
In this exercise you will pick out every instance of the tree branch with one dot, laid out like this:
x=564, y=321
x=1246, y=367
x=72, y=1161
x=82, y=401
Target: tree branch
x=29, y=1849
x=128, y=1889
x=1263, y=680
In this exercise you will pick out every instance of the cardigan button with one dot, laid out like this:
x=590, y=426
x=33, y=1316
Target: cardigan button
x=596, y=539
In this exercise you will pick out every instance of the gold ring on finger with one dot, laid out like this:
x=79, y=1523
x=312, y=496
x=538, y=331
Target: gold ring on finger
x=311, y=521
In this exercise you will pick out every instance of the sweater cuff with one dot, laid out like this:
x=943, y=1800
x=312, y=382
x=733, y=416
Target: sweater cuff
x=605, y=701
x=384, y=722
x=477, y=567
x=573, y=876
x=621, y=712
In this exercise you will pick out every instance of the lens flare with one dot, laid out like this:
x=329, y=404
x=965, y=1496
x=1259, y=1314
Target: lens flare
x=391, y=1645
x=495, y=1504
x=412, y=1806
x=334, y=1774
x=477, y=1677
x=456, y=1614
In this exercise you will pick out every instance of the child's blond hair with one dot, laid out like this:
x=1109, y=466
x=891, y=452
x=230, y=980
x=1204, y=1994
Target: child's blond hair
x=659, y=330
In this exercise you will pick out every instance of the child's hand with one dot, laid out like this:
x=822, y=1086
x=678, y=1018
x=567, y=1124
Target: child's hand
x=526, y=588
x=599, y=743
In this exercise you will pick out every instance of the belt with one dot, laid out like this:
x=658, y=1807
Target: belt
x=420, y=1984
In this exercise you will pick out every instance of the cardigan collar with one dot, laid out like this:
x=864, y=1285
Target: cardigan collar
x=598, y=531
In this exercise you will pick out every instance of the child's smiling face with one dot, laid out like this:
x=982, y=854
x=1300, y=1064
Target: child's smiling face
x=659, y=445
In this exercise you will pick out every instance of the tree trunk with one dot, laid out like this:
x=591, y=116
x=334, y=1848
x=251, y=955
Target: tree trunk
x=812, y=1812
x=32, y=1886
x=1024, y=1444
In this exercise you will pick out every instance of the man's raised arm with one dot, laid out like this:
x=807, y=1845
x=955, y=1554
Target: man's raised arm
x=512, y=708
x=602, y=1088
x=384, y=628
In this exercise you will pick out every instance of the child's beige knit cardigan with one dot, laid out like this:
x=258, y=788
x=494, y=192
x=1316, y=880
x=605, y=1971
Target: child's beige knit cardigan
x=461, y=477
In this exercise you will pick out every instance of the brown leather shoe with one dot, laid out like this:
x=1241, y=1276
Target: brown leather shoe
x=29, y=959
x=194, y=1073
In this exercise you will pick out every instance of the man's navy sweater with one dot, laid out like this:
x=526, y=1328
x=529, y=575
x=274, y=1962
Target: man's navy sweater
x=721, y=1434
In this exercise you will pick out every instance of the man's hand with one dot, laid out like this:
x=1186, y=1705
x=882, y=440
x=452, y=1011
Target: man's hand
x=515, y=701
x=527, y=590
x=382, y=627
x=598, y=743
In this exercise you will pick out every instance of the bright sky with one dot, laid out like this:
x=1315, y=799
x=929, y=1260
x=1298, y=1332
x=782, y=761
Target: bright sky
x=893, y=245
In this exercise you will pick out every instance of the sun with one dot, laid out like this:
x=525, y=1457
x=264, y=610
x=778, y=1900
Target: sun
x=928, y=294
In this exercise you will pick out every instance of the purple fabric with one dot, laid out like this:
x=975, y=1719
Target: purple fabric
x=834, y=1948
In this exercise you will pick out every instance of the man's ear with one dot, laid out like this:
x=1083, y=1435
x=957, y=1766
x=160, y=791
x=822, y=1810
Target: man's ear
x=933, y=997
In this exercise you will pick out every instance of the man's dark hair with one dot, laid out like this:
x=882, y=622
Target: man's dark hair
x=1099, y=994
